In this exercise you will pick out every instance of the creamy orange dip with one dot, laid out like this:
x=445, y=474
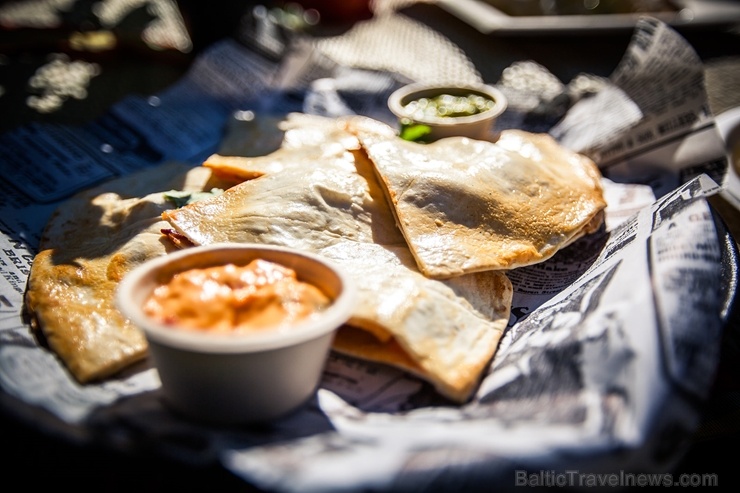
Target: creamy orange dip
x=257, y=296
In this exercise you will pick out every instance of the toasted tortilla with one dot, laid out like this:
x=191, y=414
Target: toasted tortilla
x=468, y=206
x=315, y=191
x=445, y=332
x=306, y=139
x=89, y=244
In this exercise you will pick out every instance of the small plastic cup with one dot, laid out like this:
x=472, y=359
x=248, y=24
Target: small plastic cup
x=232, y=378
x=479, y=126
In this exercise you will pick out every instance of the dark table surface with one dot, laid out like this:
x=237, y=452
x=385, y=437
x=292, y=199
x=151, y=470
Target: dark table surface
x=37, y=457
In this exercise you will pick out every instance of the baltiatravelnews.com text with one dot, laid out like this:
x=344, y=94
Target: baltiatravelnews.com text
x=621, y=479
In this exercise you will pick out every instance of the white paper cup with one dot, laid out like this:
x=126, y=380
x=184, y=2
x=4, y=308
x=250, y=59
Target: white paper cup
x=479, y=126
x=231, y=378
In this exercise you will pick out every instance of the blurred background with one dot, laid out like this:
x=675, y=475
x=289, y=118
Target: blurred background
x=67, y=61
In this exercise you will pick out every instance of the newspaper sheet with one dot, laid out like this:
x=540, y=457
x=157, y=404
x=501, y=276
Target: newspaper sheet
x=612, y=344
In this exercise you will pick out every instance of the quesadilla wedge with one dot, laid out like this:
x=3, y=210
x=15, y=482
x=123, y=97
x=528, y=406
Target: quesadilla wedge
x=89, y=243
x=444, y=332
x=468, y=206
x=312, y=192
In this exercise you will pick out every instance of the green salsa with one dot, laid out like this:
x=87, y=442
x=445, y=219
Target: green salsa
x=448, y=105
